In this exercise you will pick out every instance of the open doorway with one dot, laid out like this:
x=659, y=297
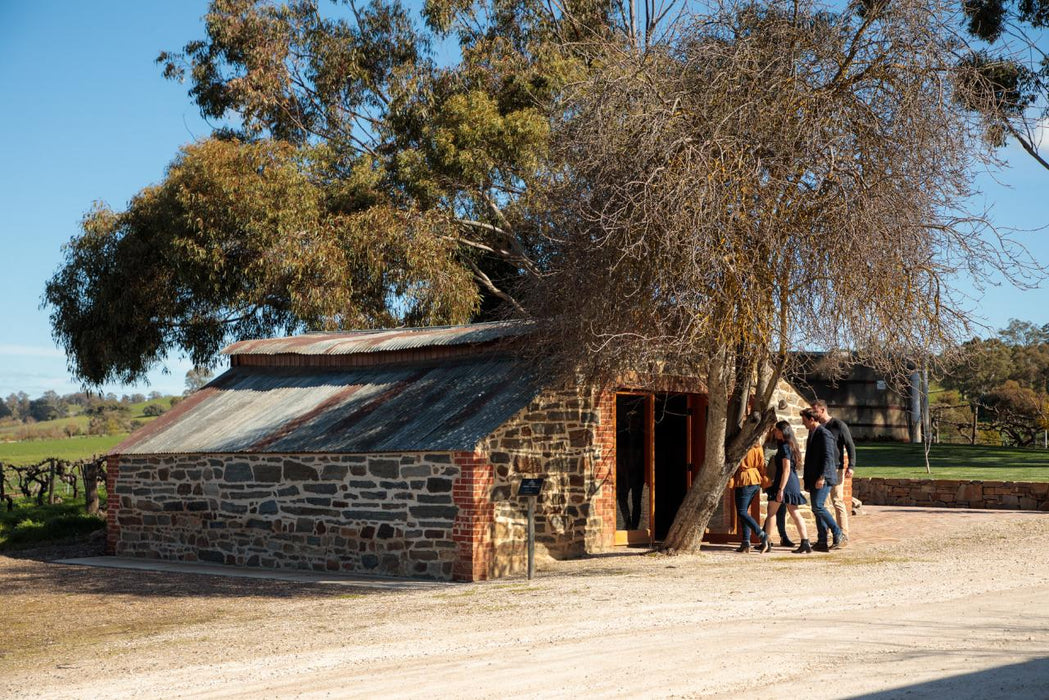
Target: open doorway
x=659, y=442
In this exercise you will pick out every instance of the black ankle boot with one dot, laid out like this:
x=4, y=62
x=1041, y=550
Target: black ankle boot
x=744, y=547
x=804, y=548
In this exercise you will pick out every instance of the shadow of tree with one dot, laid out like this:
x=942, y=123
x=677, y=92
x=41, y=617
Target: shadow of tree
x=1029, y=679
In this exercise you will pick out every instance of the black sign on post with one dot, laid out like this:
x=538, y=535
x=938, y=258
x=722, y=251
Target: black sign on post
x=530, y=488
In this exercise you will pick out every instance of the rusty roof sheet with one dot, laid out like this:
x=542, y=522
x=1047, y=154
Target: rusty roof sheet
x=377, y=409
x=382, y=340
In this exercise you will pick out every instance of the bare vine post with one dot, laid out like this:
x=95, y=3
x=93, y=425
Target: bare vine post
x=89, y=471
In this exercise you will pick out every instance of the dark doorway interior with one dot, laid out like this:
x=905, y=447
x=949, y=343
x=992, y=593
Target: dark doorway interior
x=671, y=458
x=632, y=437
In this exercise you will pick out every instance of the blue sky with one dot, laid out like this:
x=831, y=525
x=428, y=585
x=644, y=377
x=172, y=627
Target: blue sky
x=88, y=117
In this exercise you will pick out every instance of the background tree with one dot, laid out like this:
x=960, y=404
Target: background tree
x=1019, y=413
x=1005, y=380
x=735, y=192
x=197, y=378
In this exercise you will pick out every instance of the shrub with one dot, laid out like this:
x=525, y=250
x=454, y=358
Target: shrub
x=62, y=527
x=153, y=410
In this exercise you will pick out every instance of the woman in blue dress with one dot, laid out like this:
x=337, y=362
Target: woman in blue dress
x=785, y=490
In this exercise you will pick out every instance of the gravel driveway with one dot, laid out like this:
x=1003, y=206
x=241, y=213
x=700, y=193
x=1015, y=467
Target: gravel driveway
x=924, y=603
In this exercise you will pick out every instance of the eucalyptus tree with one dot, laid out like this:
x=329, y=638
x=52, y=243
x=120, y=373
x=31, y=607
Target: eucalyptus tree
x=368, y=169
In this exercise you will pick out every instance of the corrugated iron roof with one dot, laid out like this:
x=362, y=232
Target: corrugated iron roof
x=379, y=340
x=375, y=409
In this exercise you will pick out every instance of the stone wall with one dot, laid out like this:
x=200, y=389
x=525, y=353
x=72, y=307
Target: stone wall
x=390, y=514
x=950, y=493
x=567, y=438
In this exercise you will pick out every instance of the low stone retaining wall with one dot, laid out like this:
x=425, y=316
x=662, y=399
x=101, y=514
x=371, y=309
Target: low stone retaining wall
x=951, y=493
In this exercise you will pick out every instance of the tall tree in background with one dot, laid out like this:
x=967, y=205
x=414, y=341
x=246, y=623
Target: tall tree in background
x=774, y=176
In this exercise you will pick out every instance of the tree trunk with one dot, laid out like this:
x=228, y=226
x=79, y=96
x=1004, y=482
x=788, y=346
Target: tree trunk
x=686, y=532
x=976, y=420
x=724, y=450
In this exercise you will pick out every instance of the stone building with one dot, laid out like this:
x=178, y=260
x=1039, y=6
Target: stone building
x=399, y=452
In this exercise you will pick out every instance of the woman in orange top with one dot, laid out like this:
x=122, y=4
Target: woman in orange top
x=747, y=482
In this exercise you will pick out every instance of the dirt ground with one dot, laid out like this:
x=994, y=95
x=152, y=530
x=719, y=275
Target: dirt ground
x=924, y=603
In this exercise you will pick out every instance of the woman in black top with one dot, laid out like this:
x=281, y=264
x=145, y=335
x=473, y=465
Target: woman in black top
x=785, y=489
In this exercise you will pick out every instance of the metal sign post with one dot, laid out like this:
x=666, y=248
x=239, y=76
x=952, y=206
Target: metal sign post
x=530, y=489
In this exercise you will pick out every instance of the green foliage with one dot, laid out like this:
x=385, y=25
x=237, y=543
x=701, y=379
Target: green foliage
x=238, y=242
x=1008, y=379
x=32, y=451
x=153, y=410
x=898, y=460
x=365, y=185
x=31, y=525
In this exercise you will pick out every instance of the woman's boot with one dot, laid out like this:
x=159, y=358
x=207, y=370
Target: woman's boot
x=804, y=548
x=744, y=547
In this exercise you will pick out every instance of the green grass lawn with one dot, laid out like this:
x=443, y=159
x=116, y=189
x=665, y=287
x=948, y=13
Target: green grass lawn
x=903, y=461
x=81, y=447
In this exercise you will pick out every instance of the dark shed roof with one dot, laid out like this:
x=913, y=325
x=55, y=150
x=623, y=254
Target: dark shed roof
x=400, y=408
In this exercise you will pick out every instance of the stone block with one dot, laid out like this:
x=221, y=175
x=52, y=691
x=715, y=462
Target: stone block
x=432, y=511
x=371, y=515
x=213, y=556
x=384, y=468
x=295, y=509
x=267, y=473
x=394, y=485
x=297, y=471
x=234, y=472
x=335, y=472
x=438, y=485
x=267, y=508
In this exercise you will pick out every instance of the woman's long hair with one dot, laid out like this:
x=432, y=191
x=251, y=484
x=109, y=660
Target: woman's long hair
x=788, y=437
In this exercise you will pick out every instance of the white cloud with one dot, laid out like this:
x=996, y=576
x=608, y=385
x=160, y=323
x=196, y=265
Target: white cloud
x=12, y=350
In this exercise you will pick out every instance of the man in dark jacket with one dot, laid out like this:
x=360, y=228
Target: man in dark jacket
x=820, y=475
x=846, y=456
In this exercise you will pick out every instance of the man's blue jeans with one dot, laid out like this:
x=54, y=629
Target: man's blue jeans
x=824, y=520
x=744, y=495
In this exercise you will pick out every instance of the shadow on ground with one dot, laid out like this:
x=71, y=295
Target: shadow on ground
x=24, y=576
x=1029, y=679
